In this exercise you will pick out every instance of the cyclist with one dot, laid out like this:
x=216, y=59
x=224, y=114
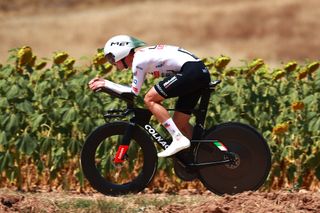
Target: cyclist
x=184, y=74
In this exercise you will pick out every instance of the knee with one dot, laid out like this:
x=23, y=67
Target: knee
x=148, y=100
x=152, y=98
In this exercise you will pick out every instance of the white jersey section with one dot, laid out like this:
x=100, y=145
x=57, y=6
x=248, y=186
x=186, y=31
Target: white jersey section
x=160, y=61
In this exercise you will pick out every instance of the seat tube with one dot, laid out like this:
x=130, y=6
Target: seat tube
x=201, y=115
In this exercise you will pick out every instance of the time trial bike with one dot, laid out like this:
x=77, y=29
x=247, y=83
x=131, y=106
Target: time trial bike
x=120, y=157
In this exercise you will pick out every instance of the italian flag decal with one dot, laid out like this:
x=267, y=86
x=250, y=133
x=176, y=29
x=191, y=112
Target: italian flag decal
x=220, y=146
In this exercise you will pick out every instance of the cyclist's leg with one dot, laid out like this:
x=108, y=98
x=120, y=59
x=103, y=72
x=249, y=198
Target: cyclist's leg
x=182, y=121
x=181, y=85
x=153, y=102
x=179, y=141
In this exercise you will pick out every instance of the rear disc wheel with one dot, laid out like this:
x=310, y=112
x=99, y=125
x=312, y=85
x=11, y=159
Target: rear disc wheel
x=251, y=154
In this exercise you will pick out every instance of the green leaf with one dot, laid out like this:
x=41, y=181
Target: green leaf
x=6, y=161
x=13, y=123
x=4, y=103
x=3, y=85
x=3, y=138
x=43, y=87
x=59, y=152
x=46, y=145
x=36, y=121
x=57, y=157
x=27, y=145
x=13, y=92
x=70, y=115
x=309, y=99
x=87, y=125
x=48, y=101
x=85, y=101
x=314, y=124
x=25, y=106
x=80, y=176
x=74, y=146
x=40, y=166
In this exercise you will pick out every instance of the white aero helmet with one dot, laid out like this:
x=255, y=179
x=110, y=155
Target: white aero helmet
x=118, y=47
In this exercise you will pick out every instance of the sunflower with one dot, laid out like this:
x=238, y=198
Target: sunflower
x=24, y=55
x=60, y=57
x=280, y=128
x=99, y=59
x=297, y=106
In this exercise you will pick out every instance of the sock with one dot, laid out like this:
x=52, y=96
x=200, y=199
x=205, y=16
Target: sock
x=172, y=128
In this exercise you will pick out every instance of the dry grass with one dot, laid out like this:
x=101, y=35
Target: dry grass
x=243, y=29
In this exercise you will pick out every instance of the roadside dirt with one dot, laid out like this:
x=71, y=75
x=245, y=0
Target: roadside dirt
x=255, y=202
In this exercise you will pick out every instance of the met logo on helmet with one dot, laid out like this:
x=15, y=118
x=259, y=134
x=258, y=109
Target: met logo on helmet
x=123, y=43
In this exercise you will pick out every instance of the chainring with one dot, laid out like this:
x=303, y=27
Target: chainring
x=184, y=173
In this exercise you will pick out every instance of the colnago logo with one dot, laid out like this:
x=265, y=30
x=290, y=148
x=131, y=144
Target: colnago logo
x=122, y=43
x=156, y=136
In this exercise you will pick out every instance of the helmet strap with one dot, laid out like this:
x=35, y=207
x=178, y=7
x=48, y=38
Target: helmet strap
x=124, y=63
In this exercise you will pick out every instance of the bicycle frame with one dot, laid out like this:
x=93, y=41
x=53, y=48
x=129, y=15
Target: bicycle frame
x=142, y=117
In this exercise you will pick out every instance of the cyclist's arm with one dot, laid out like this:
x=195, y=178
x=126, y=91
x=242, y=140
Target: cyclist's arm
x=139, y=69
x=118, y=88
x=138, y=79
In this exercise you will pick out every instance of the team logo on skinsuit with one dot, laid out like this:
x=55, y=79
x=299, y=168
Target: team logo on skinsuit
x=170, y=81
x=156, y=74
x=135, y=89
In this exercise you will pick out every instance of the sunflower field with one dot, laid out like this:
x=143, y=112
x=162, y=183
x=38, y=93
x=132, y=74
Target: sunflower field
x=47, y=111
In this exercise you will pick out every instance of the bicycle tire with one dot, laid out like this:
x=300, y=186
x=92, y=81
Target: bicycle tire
x=96, y=155
x=253, y=155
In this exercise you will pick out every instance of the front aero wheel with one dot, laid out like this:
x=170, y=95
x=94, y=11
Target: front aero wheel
x=251, y=154
x=112, y=177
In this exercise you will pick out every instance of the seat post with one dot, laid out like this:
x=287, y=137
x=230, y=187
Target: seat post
x=203, y=107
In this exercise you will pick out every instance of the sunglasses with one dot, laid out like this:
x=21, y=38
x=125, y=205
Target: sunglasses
x=110, y=58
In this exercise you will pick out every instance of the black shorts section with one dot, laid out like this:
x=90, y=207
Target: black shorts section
x=187, y=85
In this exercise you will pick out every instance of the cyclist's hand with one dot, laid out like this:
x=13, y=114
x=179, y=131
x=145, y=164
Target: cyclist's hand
x=96, y=84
